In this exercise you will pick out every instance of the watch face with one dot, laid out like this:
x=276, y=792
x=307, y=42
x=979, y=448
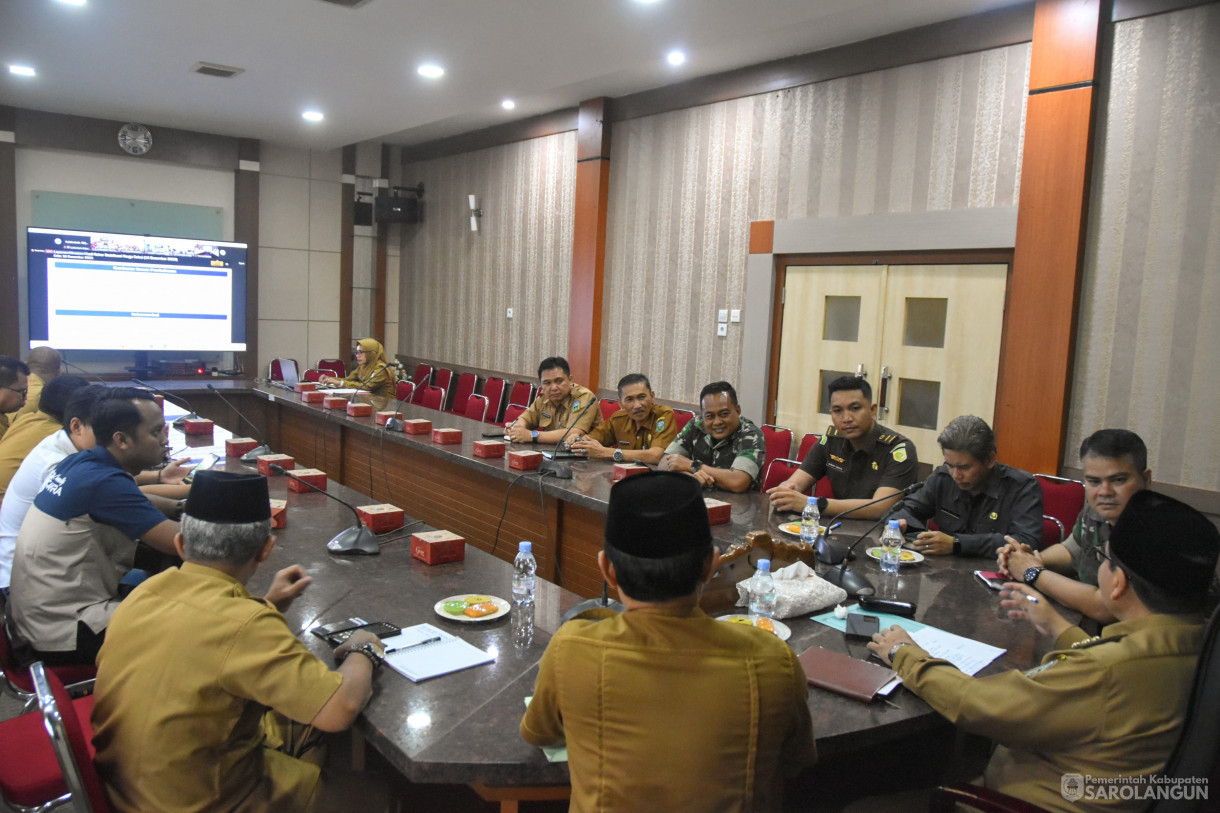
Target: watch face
x=135, y=139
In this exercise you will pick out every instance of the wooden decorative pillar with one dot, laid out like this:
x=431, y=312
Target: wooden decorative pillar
x=381, y=250
x=10, y=318
x=245, y=230
x=347, y=251
x=1043, y=295
x=589, y=243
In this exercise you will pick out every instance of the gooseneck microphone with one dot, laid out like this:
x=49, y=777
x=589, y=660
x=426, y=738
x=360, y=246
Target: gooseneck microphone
x=262, y=448
x=191, y=415
x=831, y=553
x=357, y=539
x=854, y=583
x=555, y=469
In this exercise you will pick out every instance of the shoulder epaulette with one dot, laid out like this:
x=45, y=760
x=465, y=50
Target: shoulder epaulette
x=830, y=432
x=888, y=440
x=1095, y=640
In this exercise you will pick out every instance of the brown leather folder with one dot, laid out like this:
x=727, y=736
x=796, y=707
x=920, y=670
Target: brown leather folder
x=844, y=674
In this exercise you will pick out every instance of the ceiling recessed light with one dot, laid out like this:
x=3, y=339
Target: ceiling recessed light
x=508, y=104
x=312, y=115
x=431, y=71
x=21, y=70
x=675, y=57
x=73, y=2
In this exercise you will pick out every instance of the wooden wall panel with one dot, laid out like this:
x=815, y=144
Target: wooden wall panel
x=589, y=243
x=1065, y=37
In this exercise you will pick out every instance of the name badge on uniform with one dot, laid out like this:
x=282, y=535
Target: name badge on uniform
x=546, y=414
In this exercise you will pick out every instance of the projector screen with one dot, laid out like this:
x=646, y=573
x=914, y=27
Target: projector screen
x=102, y=291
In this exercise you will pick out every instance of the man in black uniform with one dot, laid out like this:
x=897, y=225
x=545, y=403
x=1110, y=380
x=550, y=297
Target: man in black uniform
x=864, y=460
x=978, y=504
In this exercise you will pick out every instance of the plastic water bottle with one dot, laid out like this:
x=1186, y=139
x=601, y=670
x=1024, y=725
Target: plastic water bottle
x=762, y=591
x=811, y=522
x=891, y=547
x=525, y=569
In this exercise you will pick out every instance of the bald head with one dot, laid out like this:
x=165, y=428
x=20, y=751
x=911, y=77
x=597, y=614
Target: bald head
x=44, y=362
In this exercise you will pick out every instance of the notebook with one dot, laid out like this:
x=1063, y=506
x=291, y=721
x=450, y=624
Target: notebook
x=424, y=651
x=844, y=674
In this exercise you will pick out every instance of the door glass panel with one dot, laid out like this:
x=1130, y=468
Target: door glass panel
x=918, y=403
x=925, y=321
x=823, y=396
x=842, y=322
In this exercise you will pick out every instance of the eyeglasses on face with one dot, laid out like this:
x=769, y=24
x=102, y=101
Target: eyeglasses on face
x=21, y=392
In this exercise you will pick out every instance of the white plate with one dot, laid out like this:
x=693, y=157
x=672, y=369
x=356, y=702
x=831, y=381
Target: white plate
x=875, y=554
x=781, y=629
x=503, y=606
x=794, y=529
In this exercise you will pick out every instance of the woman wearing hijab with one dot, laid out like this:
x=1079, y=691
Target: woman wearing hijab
x=373, y=372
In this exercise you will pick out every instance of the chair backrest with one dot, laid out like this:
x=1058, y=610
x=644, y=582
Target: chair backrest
x=443, y=378
x=404, y=390
x=522, y=393
x=70, y=736
x=432, y=397
x=462, y=390
x=779, y=470
x=512, y=412
x=779, y=441
x=276, y=371
x=808, y=442
x=313, y=374
x=334, y=367
x=476, y=407
x=1062, y=502
x=493, y=391
x=609, y=406
x=423, y=375
x=683, y=417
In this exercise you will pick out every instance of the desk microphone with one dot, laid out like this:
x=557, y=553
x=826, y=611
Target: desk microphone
x=603, y=603
x=831, y=553
x=357, y=539
x=394, y=424
x=562, y=471
x=854, y=583
x=191, y=415
x=262, y=448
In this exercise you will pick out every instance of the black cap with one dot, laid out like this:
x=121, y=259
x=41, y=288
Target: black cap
x=1167, y=543
x=657, y=515
x=220, y=496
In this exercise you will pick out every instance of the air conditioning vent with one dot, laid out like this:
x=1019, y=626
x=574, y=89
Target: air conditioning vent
x=348, y=3
x=212, y=69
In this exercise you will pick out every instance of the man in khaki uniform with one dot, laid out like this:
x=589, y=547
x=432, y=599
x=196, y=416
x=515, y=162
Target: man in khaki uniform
x=638, y=432
x=44, y=364
x=1097, y=707
x=561, y=406
x=192, y=663
x=14, y=385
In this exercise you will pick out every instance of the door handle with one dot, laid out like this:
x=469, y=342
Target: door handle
x=860, y=371
x=885, y=389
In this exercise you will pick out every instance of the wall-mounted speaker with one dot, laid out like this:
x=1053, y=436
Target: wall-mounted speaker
x=397, y=210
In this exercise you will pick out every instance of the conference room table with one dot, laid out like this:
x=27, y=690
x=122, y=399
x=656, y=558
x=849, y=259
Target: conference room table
x=462, y=728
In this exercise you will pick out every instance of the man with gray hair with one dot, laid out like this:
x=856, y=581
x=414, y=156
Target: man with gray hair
x=978, y=505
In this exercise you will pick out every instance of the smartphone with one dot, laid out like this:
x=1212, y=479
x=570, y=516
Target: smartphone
x=862, y=626
x=208, y=462
x=993, y=579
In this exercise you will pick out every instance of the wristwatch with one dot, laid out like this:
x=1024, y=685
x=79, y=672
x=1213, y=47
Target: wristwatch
x=1031, y=575
x=534, y=436
x=369, y=651
x=894, y=650
x=695, y=465
x=618, y=455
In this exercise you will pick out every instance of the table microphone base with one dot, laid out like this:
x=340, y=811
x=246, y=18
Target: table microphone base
x=853, y=583
x=181, y=420
x=253, y=455
x=550, y=468
x=592, y=604
x=394, y=424
x=355, y=540
x=831, y=552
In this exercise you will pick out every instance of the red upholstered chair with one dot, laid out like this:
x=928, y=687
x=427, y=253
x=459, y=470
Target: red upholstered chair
x=512, y=412
x=822, y=488
x=608, y=407
x=476, y=407
x=683, y=417
x=779, y=470
x=314, y=375
x=30, y=778
x=432, y=397
x=464, y=388
x=443, y=378
x=276, y=371
x=807, y=443
x=779, y=442
x=522, y=393
x=1062, y=502
x=423, y=375
x=403, y=391
x=67, y=723
x=493, y=391
x=17, y=681
x=333, y=367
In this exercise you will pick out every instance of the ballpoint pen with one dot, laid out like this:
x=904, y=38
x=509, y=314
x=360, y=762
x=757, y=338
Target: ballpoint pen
x=432, y=640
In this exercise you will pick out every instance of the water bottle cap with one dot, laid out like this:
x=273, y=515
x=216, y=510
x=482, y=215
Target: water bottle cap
x=812, y=501
x=765, y=565
x=894, y=524
x=525, y=547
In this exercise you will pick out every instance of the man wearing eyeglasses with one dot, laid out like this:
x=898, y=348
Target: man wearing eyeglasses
x=14, y=384
x=1115, y=463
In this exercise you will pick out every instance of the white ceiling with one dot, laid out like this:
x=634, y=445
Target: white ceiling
x=130, y=59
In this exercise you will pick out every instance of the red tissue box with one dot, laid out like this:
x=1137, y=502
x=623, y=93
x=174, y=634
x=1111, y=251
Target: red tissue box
x=334, y=402
x=381, y=518
x=359, y=410
x=279, y=513
x=718, y=511
x=314, y=477
x=525, y=461
x=305, y=386
x=382, y=418
x=160, y=399
x=313, y=397
x=489, y=448
x=446, y=436
x=265, y=462
x=236, y=447
x=197, y=426
x=625, y=470
x=417, y=426
x=438, y=547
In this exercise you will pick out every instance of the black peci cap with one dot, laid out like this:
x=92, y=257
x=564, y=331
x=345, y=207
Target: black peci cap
x=1167, y=543
x=219, y=496
x=657, y=515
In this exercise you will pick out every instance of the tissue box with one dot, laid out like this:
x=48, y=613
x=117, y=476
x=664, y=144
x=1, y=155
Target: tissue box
x=197, y=426
x=282, y=460
x=315, y=477
x=381, y=518
x=334, y=402
x=624, y=470
x=160, y=399
x=305, y=386
x=525, y=461
x=279, y=513
x=359, y=410
x=417, y=426
x=718, y=511
x=236, y=447
x=489, y=448
x=383, y=417
x=438, y=547
x=313, y=397
x=447, y=436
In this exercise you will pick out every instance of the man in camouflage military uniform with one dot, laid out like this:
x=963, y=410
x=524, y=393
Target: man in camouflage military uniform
x=639, y=432
x=1100, y=708
x=864, y=460
x=720, y=448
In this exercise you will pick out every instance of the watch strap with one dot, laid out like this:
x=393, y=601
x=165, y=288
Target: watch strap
x=369, y=651
x=1031, y=575
x=894, y=650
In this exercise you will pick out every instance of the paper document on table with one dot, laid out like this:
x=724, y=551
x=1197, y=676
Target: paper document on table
x=344, y=391
x=966, y=654
x=424, y=651
x=553, y=753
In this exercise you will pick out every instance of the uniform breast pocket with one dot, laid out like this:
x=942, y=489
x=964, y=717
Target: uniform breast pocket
x=948, y=521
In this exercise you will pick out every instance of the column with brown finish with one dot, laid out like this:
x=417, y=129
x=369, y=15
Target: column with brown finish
x=245, y=230
x=347, y=252
x=589, y=242
x=10, y=319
